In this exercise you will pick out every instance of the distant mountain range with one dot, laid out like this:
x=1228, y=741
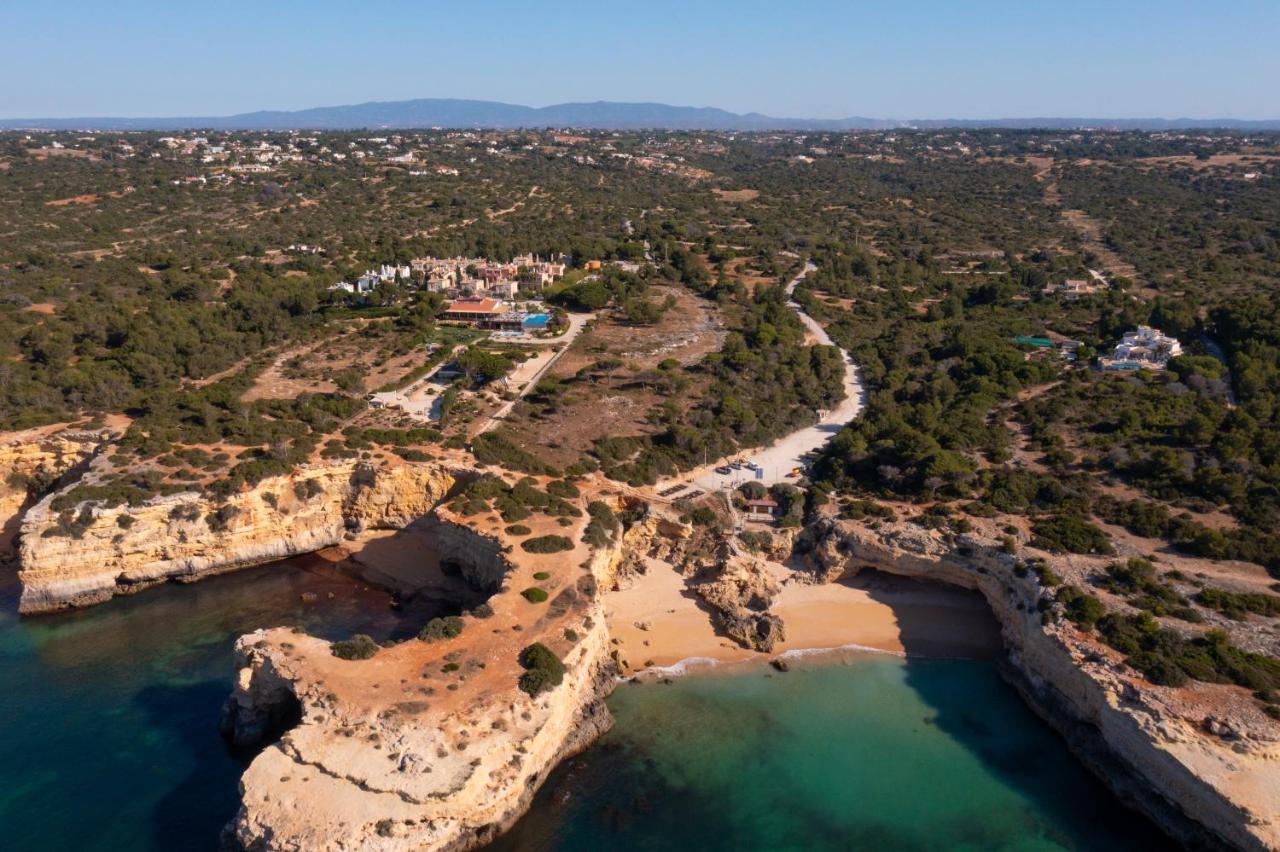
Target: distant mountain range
x=601, y=115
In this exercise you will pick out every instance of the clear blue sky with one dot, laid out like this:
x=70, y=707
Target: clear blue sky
x=801, y=58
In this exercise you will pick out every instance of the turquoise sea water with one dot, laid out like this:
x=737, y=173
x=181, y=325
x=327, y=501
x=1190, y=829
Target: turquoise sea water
x=878, y=753
x=108, y=741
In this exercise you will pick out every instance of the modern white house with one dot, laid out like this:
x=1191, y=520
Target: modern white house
x=1146, y=348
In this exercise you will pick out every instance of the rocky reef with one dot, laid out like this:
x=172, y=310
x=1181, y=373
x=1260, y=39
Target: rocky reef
x=1154, y=749
x=109, y=550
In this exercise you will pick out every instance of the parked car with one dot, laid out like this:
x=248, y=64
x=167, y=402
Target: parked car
x=753, y=466
x=724, y=470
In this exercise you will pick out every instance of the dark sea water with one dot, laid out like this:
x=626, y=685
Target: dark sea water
x=109, y=716
x=108, y=741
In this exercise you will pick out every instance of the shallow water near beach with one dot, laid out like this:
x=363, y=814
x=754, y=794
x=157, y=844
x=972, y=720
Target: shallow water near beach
x=109, y=740
x=875, y=752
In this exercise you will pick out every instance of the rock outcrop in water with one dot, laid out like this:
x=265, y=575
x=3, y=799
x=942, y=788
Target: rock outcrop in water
x=1208, y=790
x=121, y=549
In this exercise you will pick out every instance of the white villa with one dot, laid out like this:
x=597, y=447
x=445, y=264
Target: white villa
x=1146, y=348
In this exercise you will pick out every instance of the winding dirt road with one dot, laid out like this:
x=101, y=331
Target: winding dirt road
x=777, y=461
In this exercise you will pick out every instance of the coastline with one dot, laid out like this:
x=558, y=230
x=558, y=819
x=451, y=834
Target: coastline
x=658, y=625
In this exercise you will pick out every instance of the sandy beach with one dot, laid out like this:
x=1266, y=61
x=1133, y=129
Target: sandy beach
x=658, y=622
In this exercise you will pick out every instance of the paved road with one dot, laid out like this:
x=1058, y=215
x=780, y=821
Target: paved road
x=576, y=323
x=777, y=461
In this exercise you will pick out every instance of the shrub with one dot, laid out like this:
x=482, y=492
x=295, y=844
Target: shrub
x=219, y=519
x=602, y=526
x=1081, y=608
x=518, y=529
x=756, y=541
x=185, y=512
x=1046, y=575
x=563, y=490
x=441, y=628
x=492, y=448
x=542, y=575
x=1069, y=534
x=1136, y=579
x=1236, y=605
x=534, y=594
x=1165, y=658
x=703, y=516
x=307, y=489
x=857, y=510
x=547, y=544
x=71, y=523
x=358, y=647
x=543, y=669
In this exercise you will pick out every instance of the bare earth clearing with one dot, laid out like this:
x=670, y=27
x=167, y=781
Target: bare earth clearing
x=610, y=402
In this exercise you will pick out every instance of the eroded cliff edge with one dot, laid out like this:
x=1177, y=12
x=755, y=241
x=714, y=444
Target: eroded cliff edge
x=432, y=745
x=1151, y=744
x=30, y=464
x=428, y=744
x=87, y=553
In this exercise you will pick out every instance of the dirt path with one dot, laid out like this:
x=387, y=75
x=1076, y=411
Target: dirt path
x=1089, y=230
x=498, y=214
x=777, y=461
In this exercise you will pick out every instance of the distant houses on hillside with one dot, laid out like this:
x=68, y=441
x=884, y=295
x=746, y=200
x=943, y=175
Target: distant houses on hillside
x=463, y=276
x=1074, y=288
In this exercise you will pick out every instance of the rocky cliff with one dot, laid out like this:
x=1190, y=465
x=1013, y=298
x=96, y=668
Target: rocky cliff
x=30, y=463
x=428, y=744
x=1207, y=790
x=110, y=550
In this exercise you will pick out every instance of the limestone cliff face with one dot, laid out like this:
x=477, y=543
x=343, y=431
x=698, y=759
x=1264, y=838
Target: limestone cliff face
x=428, y=745
x=733, y=584
x=188, y=536
x=1209, y=792
x=29, y=461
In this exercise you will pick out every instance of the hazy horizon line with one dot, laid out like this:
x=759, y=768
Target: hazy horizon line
x=1042, y=114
